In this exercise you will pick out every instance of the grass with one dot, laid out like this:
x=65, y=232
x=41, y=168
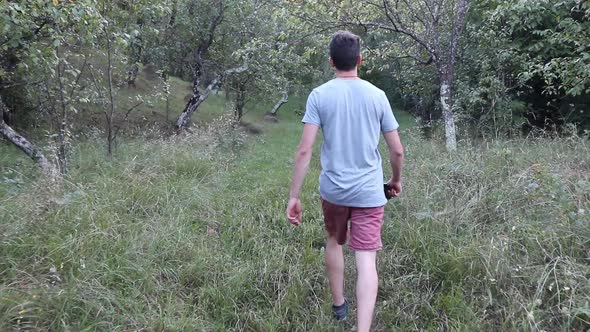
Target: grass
x=215, y=106
x=153, y=111
x=189, y=234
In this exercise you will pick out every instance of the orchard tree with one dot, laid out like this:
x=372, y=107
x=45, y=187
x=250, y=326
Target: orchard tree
x=275, y=65
x=37, y=50
x=434, y=30
x=238, y=44
x=110, y=49
x=196, y=25
x=427, y=31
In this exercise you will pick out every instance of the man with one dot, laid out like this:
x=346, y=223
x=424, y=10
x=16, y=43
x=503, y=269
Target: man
x=352, y=114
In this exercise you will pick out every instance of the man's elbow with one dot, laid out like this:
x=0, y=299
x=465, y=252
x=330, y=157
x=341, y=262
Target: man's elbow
x=397, y=151
x=303, y=153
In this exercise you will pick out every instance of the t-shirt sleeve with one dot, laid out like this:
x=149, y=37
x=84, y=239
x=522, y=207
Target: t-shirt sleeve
x=388, y=121
x=312, y=112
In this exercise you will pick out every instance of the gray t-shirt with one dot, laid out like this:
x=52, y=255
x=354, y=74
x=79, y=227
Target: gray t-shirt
x=352, y=115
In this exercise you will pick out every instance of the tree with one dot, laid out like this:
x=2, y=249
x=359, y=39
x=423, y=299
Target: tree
x=25, y=146
x=283, y=100
x=434, y=28
x=34, y=59
x=550, y=54
x=199, y=51
x=242, y=45
x=114, y=40
x=427, y=31
x=525, y=65
x=277, y=59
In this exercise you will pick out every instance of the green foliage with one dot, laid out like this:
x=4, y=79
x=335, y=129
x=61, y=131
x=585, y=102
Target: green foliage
x=512, y=72
x=188, y=233
x=555, y=36
x=529, y=71
x=33, y=30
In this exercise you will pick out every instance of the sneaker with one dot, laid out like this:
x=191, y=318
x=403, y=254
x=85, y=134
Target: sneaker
x=341, y=311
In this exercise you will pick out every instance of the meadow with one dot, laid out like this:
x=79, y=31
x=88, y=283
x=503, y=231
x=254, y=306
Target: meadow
x=188, y=233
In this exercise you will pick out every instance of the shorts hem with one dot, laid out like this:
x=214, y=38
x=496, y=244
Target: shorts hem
x=365, y=249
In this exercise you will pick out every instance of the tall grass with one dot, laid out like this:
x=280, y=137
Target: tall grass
x=189, y=234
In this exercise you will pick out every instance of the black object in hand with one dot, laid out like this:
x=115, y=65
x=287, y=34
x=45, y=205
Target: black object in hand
x=386, y=189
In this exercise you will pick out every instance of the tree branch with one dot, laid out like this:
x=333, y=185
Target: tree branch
x=118, y=128
x=14, y=85
x=24, y=145
x=78, y=77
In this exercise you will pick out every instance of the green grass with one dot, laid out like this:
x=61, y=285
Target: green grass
x=153, y=112
x=189, y=234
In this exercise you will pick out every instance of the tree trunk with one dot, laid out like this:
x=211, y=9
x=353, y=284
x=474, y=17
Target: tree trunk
x=132, y=75
x=446, y=101
x=240, y=100
x=111, y=112
x=447, y=72
x=196, y=100
x=197, y=68
x=167, y=109
x=109, y=121
x=25, y=146
x=284, y=99
x=62, y=150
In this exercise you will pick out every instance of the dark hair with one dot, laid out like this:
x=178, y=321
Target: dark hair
x=345, y=48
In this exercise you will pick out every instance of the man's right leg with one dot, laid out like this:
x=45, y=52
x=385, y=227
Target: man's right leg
x=366, y=288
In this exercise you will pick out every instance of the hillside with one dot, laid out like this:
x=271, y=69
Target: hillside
x=188, y=234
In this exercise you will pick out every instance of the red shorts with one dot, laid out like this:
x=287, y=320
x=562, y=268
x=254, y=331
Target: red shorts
x=365, y=225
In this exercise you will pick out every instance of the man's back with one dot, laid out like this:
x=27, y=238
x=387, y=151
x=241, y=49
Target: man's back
x=352, y=115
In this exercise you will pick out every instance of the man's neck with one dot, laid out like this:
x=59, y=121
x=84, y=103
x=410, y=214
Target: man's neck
x=347, y=74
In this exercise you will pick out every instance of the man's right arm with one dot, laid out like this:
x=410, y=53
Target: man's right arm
x=396, y=159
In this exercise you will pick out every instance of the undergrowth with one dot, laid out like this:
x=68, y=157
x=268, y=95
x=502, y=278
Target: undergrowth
x=188, y=234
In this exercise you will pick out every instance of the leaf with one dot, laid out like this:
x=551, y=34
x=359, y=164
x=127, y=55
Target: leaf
x=56, y=2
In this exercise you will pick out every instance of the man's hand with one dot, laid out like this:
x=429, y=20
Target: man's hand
x=294, y=211
x=395, y=188
x=302, y=159
x=396, y=159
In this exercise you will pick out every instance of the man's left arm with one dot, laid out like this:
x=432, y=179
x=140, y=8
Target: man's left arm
x=302, y=160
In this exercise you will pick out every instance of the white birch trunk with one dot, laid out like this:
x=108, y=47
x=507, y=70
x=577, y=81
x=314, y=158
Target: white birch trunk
x=447, y=113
